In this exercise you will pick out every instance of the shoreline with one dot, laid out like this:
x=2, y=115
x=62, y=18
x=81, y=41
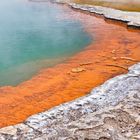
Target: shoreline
x=132, y=19
x=100, y=114
x=43, y=90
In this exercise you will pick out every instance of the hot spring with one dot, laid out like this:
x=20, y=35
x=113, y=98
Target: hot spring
x=33, y=36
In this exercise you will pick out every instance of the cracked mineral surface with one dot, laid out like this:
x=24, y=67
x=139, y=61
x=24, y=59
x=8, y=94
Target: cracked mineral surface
x=110, y=112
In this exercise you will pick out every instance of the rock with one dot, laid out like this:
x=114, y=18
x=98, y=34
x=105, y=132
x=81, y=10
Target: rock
x=114, y=58
x=78, y=69
x=109, y=112
x=113, y=51
x=85, y=63
x=8, y=130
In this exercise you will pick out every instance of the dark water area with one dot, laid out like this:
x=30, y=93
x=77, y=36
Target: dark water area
x=33, y=36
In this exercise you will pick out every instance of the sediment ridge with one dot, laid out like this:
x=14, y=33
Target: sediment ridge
x=109, y=112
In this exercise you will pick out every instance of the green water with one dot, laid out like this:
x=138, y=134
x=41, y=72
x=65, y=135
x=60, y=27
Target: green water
x=33, y=36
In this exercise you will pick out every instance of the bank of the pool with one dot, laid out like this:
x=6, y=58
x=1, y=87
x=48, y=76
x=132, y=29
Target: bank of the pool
x=132, y=19
x=110, y=111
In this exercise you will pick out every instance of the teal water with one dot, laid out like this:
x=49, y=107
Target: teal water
x=32, y=37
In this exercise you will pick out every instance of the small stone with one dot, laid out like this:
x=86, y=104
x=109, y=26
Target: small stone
x=114, y=58
x=86, y=63
x=8, y=130
x=78, y=69
x=113, y=51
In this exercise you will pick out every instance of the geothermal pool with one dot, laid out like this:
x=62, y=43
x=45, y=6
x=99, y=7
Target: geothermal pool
x=34, y=35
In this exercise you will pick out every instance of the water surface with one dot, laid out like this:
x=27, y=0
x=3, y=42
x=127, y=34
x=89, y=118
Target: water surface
x=34, y=35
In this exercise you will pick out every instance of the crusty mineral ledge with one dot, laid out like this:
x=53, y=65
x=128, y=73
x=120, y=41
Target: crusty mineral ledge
x=131, y=18
x=110, y=112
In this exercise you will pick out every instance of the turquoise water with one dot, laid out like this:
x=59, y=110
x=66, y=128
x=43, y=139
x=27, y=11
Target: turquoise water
x=33, y=36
